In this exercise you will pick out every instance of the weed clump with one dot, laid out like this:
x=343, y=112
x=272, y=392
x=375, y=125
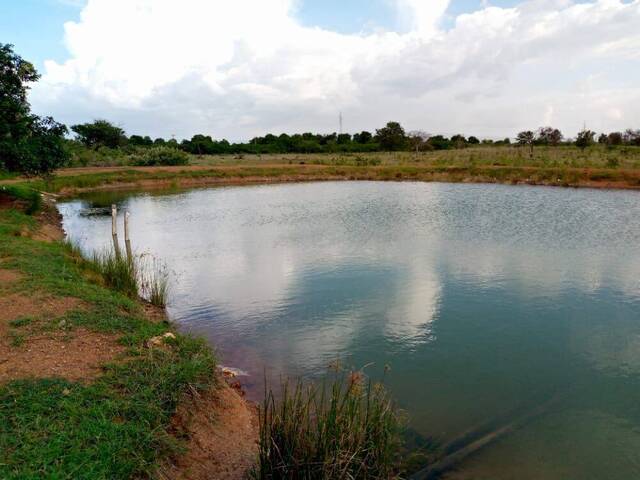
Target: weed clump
x=346, y=428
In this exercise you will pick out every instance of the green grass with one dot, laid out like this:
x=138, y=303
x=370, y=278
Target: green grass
x=347, y=428
x=115, y=427
x=29, y=196
x=119, y=272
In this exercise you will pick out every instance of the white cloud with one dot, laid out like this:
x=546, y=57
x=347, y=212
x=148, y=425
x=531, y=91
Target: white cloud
x=236, y=69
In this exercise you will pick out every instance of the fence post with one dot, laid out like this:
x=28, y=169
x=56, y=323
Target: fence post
x=127, y=240
x=114, y=229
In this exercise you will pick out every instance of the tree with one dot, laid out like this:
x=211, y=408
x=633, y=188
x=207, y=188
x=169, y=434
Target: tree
x=438, y=142
x=632, y=137
x=549, y=136
x=526, y=137
x=363, y=137
x=473, y=140
x=391, y=137
x=418, y=139
x=100, y=133
x=344, y=138
x=614, y=138
x=28, y=144
x=585, y=139
x=458, y=141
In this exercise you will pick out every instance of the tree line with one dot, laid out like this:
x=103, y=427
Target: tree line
x=36, y=145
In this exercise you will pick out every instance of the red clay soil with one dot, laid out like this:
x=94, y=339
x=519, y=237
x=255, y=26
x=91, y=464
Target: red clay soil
x=77, y=355
x=222, y=432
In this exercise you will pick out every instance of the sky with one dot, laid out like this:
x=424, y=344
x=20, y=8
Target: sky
x=236, y=69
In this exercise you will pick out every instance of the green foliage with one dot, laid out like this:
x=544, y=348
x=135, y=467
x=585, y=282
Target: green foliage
x=100, y=133
x=585, y=139
x=32, y=198
x=164, y=156
x=391, y=137
x=29, y=144
x=347, y=428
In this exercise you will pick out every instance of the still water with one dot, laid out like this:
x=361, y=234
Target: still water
x=486, y=302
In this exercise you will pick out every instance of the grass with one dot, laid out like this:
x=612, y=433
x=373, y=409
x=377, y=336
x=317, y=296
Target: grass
x=116, y=426
x=29, y=196
x=559, y=166
x=117, y=271
x=347, y=428
x=138, y=276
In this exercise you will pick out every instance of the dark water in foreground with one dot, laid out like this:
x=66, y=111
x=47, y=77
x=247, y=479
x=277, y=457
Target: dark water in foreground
x=484, y=300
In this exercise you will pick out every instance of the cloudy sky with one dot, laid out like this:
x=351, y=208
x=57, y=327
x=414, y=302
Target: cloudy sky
x=239, y=68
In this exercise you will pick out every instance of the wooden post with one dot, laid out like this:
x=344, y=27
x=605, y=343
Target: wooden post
x=114, y=229
x=127, y=240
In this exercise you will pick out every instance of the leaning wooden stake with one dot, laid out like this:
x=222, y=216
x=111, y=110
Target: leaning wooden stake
x=114, y=229
x=127, y=240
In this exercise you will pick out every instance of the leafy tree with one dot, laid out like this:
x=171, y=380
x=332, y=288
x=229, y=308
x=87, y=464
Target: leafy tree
x=363, y=137
x=28, y=144
x=549, y=136
x=458, y=141
x=100, y=133
x=473, y=140
x=391, y=137
x=526, y=137
x=344, y=138
x=615, y=138
x=585, y=139
x=603, y=139
x=438, y=142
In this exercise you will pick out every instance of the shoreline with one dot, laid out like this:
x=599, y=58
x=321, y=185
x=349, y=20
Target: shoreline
x=51, y=337
x=69, y=182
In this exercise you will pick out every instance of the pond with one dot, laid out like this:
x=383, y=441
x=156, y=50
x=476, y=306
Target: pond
x=486, y=301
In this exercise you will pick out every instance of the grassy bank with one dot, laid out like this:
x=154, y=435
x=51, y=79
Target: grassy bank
x=596, y=167
x=107, y=421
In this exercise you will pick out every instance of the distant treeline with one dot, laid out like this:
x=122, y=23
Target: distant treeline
x=391, y=137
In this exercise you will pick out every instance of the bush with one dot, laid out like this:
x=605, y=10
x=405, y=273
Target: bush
x=162, y=156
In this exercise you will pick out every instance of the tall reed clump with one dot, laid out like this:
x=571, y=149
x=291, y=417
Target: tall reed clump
x=137, y=276
x=154, y=281
x=118, y=272
x=346, y=428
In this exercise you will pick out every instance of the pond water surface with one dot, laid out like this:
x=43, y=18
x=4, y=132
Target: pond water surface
x=486, y=302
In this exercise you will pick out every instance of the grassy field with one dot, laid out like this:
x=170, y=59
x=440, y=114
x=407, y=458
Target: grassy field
x=566, y=166
x=104, y=424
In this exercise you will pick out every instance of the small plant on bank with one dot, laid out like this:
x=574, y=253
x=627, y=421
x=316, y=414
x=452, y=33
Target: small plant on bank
x=346, y=428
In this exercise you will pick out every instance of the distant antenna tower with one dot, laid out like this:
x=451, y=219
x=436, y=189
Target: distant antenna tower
x=340, y=117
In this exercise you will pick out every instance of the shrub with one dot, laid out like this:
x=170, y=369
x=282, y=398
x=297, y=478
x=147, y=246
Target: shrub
x=162, y=156
x=345, y=429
